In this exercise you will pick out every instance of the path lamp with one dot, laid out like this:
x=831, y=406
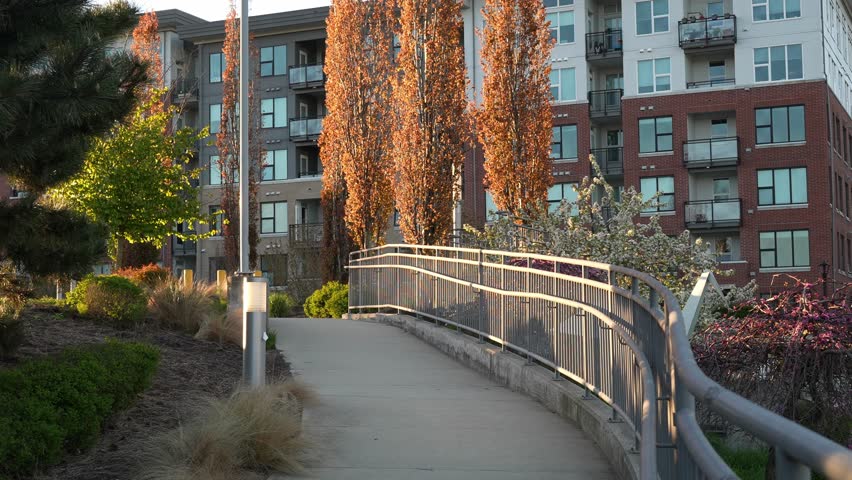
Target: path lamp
x=254, y=291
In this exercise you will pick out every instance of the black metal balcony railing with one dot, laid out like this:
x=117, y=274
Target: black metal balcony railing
x=713, y=213
x=605, y=103
x=304, y=129
x=185, y=247
x=711, y=152
x=708, y=32
x=711, y=83
x=184, y=90
x=600, y=45
x=305, y=234
x=310, y=172
x=610, y=160
x=307, y=76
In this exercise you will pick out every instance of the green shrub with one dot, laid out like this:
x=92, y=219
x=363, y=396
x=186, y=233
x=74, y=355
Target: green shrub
x=338, y=304
x=281, y=305
x=146, y=276
x=110, y=297
x=270, y=340
x=747, y=463
x=57, y=405
x=317, y=305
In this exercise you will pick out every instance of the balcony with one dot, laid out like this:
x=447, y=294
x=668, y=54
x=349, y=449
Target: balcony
x=605, y=104
x=307, y=76
x=716, y=31
x=185, y=91
x=610, y=160
x=711, y=152
x=305, y=129
x=706, y=214
x=305, y=235
x=602, y=46
x=711, y=83
x=183, y=248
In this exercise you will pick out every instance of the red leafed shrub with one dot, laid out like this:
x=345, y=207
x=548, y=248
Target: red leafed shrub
x=563, y=268
x=791, y=353
x=148, y=276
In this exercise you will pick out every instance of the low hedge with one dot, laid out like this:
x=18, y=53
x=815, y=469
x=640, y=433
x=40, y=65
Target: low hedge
x=330, y=301
x=110, y=297
x=57, y=405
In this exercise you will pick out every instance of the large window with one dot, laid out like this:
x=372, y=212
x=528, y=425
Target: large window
x=650, y=186
x=216, y=222
x=275, y=166
x=273, y=60
x=216, y=177
x=557, y=3
x=273, y=217
x=655, y=135
x=561, y=26
x=217, y=65
x=273, y=112
x=774, y=64
x=652, y=16
x=775, y=9
x=563, y=86
x=215, y=118
x=559, y=192
x=784, y=249
x=274, y=268
x=655, y=75
x=782, y=186
x=780, y=124
x=563, y=145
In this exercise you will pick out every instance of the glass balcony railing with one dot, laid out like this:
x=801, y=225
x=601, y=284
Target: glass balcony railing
x=605, y=103
x=601, y=45
x=307, y=76
x=711, y=152
x=305, y=129
x=714, y=213
x=717, y=30
x=711, y=83
x=610, y=160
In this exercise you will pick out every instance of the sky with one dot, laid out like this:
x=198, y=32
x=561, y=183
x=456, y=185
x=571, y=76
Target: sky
x=217, y=9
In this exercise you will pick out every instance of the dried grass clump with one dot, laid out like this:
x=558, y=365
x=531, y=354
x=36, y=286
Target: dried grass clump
x=184, y=307
x=222, y=327
x=252, y=433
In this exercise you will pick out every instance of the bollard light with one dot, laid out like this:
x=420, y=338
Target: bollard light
x=254, y=295
x=254, y=330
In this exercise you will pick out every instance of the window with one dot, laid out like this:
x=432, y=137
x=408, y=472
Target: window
x=780, y=124
x=557, y=3
x=216, y=222
x=655, y=135
x=216, y=177
x=215, y=118
x=774, y=64
x=275, y=166
x=273, y=60
x=273, y=112
x=273, y=217
x=721, y=189
x=564, y=142
x=490, y=207
x=715, y=8
x=395, y=217
x=559, y=192
x=652, y=16
x=782, y=186
x=655, y=75
x=650, y=186
x=717, y=71
x=217, y=65
x=719, y=128
x=562, y=26
x=274, y=269
x=775, y=9
x=562, y=84
x=784, y=249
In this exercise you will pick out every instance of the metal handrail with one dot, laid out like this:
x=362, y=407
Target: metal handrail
x=610, y=160
x=705, y=32
x=711, y=152
x=604, y=103
x=695, y=215
x=433, y=282
x=604, y=44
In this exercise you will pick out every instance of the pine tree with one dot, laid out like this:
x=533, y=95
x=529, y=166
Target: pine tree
x=59, y=88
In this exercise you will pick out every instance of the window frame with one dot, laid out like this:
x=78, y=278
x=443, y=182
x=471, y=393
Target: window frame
x=772, y=127
x=654, y=76
x=561, y=143
x=659, y=207
x=557, y=3
x=273, y=218
x=555, y=28
x=774, y=249
x=217, y=219
x=272, y=113
x=654, y=17
x=210, y=77
x=764, y=4
x=274, y=164
x=657, y=134
x=218, y=122
x=272, y=62
x=769, y=63
x=559, y=82
x=772, y=187
x=553, y=205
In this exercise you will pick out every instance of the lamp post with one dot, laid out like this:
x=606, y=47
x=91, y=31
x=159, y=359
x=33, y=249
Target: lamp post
x=254, y=291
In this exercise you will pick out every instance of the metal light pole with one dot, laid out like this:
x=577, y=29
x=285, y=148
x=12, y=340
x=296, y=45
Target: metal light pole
x=254, y=290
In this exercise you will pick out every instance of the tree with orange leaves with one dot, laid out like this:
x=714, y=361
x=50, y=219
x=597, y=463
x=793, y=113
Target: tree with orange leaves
x=146, y=47
x=228, y=143
x=336, y=241
x=358, y=66
x=432, y=124
x=514, y=121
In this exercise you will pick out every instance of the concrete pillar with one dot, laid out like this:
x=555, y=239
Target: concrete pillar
x=187, y=278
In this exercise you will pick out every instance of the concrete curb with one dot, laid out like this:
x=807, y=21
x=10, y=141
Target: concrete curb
x=561, y=397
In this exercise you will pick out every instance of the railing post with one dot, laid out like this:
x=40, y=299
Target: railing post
x=584, y=336
x=480, y=302
x=529, y=312
x=397, y=279
x=503, y=303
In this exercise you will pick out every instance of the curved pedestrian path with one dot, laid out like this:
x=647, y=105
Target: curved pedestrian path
x=393, y=407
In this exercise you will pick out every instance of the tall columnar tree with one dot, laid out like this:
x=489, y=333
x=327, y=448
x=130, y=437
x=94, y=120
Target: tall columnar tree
x=359, y=65
x=146, y=47
x=337, y=243
x=228, y=143
x=431, y=125
x=58, y=91
x=514, y=121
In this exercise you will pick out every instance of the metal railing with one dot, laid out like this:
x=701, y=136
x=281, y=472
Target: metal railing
x=610, y=160
x=305, y=128
x=617, y=332
x=707, y=32
x=305, y=234
x=601, y=45
x=711, y=152
x=710, y=83
x=306, y=76
x=713, y=213
x=605, y=103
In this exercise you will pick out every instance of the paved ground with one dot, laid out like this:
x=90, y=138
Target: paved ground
x=393, y=407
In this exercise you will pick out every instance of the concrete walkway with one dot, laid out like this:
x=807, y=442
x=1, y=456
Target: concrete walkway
x=393, y=407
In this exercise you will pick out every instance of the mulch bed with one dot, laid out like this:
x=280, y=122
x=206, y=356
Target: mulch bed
x=190, y=370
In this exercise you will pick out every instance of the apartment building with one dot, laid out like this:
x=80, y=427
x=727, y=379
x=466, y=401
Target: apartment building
x=738, y=112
